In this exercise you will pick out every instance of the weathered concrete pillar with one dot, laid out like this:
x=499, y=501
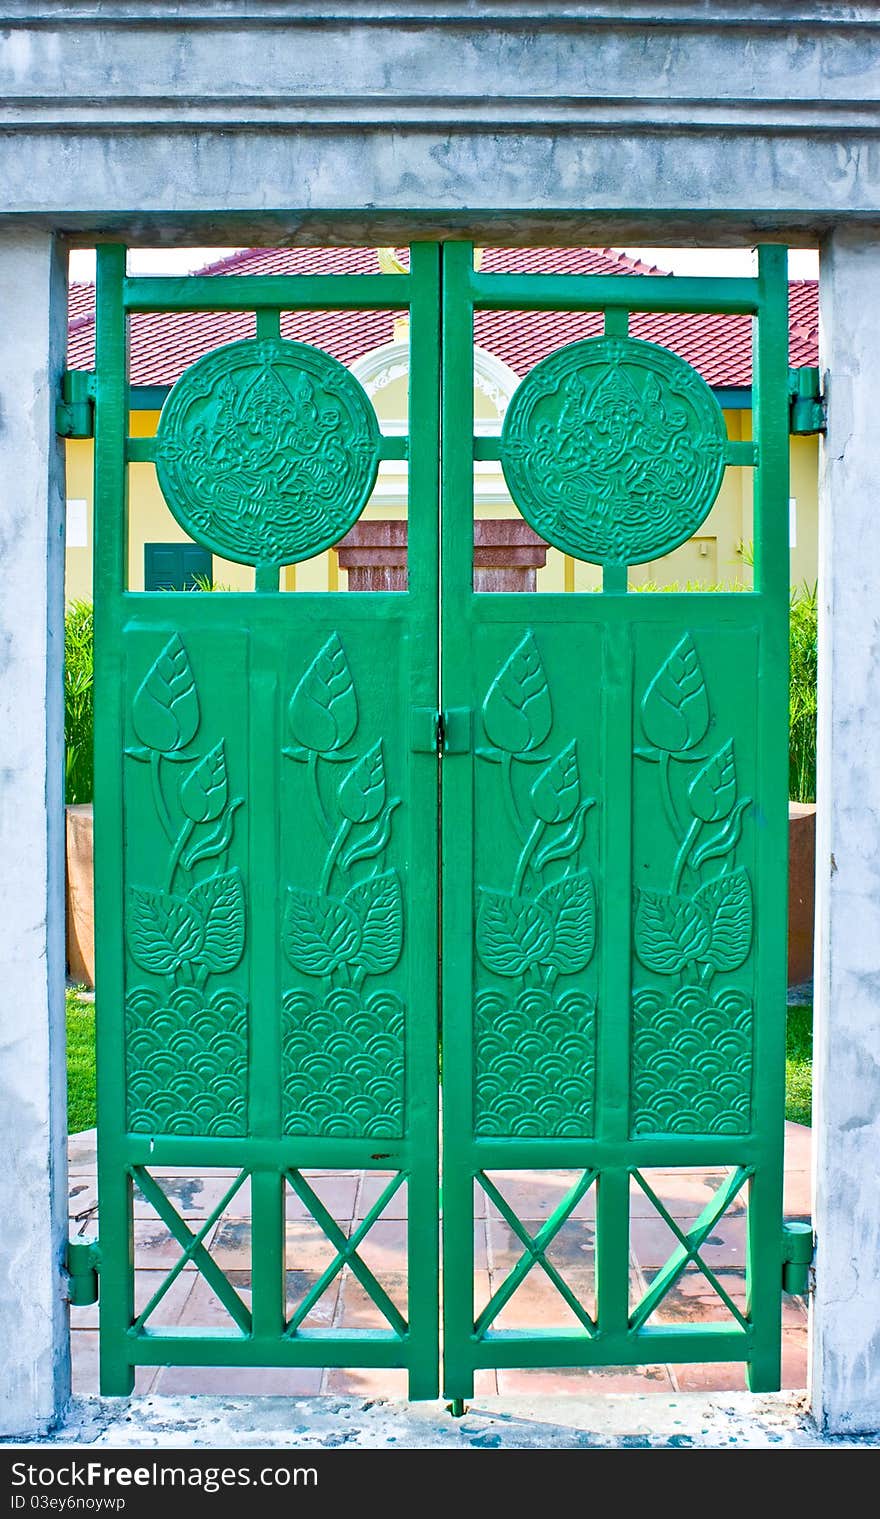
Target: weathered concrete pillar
x=35, y=1370
x=845, y=1353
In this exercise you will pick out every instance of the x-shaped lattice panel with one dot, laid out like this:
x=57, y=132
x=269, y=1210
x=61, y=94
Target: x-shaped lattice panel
x=534, y=1248
x=346, y=1247
x=690, y=1243
x=193, y=1248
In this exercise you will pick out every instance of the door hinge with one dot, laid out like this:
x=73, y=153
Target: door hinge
x=82, y=1265
x=806, y=403
x=797, y=1256
x=75, y=412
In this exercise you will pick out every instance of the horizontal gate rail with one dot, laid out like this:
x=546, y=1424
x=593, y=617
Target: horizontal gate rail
x=737, y=452
x=596, y=292
x=310, y=1348
x=145, y=450
x=281, y=292
x=527, y=1349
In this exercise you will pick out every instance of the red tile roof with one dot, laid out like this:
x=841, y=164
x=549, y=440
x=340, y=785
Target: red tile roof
x=80, y=302
x=164, y=344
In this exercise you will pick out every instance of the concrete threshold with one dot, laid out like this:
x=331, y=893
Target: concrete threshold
x=689, y=1421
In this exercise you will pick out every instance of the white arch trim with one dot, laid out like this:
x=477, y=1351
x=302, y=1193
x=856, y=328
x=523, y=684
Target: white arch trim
x=381, y=366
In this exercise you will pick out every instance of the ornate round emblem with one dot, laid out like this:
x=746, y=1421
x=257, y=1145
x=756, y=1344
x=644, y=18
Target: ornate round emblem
x=267, y=451
x=614, y=449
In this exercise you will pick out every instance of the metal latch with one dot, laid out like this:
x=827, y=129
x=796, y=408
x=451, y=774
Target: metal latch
x=75, y=412
x=82, y=1264
x=797, y=1256
x=424, y=730
x=806, y=403
x=433, y=732
x=455, y=730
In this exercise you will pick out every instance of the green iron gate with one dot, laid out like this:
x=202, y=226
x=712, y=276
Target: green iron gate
x=613, y=861
x=614, y=838
x=259, y=800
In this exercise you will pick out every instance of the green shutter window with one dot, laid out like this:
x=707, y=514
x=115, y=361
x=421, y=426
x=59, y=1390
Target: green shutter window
x=174, y=566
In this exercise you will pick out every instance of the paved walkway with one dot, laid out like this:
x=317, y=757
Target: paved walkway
x=536, y=1304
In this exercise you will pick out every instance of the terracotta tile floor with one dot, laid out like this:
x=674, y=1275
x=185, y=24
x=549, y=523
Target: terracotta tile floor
x=348, y=1196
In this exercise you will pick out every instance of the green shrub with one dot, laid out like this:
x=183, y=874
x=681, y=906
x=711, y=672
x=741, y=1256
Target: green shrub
x=802, y=695
x=80, y=1062
x=206, y=583
x=799, y=1065
x=708, y=587
x=78, y=702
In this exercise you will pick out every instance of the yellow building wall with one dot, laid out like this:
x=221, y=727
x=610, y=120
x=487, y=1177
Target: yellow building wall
x=804, y=455
x=713, y=556
x=80, y=455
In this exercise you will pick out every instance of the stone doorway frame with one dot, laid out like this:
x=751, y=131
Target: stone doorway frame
x=510, y=125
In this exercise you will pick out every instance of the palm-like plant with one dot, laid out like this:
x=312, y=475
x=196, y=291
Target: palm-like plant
x=79, y=702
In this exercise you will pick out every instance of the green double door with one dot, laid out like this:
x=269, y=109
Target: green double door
x=316, y=810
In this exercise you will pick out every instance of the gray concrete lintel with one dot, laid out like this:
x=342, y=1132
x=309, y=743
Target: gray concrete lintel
x=378, y=228
x=765, y=112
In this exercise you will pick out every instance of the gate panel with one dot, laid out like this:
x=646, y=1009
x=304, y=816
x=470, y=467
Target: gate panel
x=614, y=832
x=614, y=855
x=266, y=848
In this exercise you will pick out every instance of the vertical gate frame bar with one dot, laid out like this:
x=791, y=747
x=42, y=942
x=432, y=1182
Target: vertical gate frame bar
x=268, y=1238
x=266, y=645
x=457, y=430
x=613, y=1018
x=613, y=1033
x=772, y=575
x=423, y=587
x=110, y=577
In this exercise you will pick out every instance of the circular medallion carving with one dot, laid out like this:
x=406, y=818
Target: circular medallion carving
x=267, y=451
x=614, y=449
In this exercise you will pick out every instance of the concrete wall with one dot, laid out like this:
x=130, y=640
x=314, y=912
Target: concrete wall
x=845, y=1371
x=689, y=121
x=34, y=1370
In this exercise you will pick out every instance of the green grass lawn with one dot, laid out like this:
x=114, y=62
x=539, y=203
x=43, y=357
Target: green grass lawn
x=799, y=1064
x=80, y=1063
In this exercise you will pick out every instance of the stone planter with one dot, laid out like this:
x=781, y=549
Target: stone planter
x=801, y=890
x=507, y=555
x=80, y=895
